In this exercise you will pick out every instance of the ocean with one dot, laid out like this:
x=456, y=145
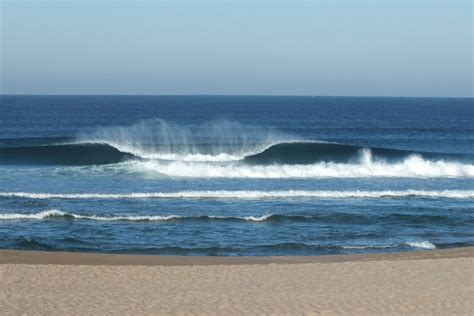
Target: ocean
x=235, y=175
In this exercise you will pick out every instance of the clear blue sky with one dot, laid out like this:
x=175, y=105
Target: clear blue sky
x=391, y=48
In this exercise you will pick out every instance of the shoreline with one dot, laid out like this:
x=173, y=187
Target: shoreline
x=83, y=258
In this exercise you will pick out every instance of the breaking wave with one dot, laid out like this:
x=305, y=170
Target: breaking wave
x=421, y=244
x=149, y=139
x=219, y=140
x=250, y=195
x=284, y=153
x=230, y=150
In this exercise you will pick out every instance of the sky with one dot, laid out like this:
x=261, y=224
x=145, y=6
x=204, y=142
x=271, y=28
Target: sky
x=339, y=48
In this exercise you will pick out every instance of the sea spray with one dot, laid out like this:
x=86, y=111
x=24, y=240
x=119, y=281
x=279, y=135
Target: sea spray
x=219, y=140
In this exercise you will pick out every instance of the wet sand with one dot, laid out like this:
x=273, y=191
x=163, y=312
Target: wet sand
x=424, y=282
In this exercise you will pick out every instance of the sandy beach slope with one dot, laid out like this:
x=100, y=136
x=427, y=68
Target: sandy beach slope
x=437, y=282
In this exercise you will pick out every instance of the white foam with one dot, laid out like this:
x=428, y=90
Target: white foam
x=126, y=218
x=421, y=244
x=57, y=213
x=222, y=157
x=246, y=218
x=257, y=218
x=415, y=244
x=250, y=195
x=369, y=247
x=193, y=155
x=36, y=216
x=185, y=156
x=413, y=166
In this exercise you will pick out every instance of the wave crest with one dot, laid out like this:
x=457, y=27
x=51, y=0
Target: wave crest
x=219, y=140
x=63, y=154
x=54, y=213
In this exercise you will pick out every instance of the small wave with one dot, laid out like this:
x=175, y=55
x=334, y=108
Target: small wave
x=26, y=243
x=51, y=214
x=421, y=244
x=35, y=216
x=245, y=218
x=250, y=195
x=414, y=244
x=272, y=249
x=57, y=214
x=359, y=247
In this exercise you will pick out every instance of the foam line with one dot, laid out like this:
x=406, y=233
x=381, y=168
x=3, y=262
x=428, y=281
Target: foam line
x=413, y=166
x=54, y=213
x=250, y=195
x=415, y=244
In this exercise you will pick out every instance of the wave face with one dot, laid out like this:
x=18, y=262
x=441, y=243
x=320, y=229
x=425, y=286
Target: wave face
x=313, y=152
x=252, y=195
x=63, y=154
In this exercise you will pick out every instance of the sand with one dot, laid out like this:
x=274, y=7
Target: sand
x=439, y=282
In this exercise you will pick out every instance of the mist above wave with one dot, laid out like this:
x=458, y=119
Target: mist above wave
x=219, y=140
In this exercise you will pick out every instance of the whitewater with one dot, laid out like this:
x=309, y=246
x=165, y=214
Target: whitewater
x=249, y=195
x=411, y=167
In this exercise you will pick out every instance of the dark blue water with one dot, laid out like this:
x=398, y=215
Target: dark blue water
x=223, y=175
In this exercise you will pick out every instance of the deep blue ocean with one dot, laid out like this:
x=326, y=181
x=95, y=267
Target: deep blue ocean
x=235, y=175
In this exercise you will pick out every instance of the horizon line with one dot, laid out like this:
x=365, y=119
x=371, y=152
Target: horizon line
x=232, y=95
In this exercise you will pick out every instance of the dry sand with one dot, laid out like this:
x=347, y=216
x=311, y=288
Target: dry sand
x=431, y=282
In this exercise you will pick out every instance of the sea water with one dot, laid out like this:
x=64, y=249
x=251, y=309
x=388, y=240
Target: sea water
x=235, y=175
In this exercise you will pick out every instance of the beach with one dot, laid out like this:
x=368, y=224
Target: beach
x=236, y=158
x=438, y=282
